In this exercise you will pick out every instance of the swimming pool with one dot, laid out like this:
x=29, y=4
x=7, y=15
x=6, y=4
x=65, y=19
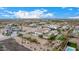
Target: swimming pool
x=70, y=48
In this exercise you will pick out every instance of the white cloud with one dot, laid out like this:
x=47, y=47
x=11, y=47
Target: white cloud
x=75, y=17
x=38, y=13
x=49, y=15
x=21, y=14
x=5, y=11
x=9, y=12
x=33, y=14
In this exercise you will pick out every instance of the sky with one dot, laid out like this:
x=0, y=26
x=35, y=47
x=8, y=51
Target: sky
x=39, y=12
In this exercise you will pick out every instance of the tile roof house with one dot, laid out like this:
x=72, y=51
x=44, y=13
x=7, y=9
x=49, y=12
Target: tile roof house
x=53, y=27
x=66, y=27
x=77, y=27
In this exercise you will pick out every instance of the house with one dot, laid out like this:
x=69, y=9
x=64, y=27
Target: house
x=55, y=32
x=75, y=32
x=33, y=25
x=77, y=27
x=36, y=33
x=10, y=28
x=66, y=27
x=42, y=23
x=53, y=27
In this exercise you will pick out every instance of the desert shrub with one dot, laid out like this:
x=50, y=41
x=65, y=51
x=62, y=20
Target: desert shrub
x=8, y=33
x=41, y=36
x=3, y=33
x=34, y=41
x=14, y=25
x=20, y=35
x=59, y=30
x=51, y=37
x=48, y=49
x=28, y=38
x=34, y=48
x=40, y=47
x=1, y=46
x=27, y=42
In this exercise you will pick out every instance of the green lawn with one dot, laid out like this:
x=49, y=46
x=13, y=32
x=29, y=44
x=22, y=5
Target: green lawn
x=72, y=44
x=60, y=37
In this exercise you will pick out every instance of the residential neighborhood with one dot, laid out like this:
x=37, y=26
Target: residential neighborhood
x=38, y=35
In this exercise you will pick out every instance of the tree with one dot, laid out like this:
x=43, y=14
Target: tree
x=51, y=37
x=41, y=36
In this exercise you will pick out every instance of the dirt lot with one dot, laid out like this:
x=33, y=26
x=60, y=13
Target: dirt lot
x=11, y=45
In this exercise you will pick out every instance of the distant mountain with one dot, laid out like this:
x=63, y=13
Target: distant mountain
x=61, y=19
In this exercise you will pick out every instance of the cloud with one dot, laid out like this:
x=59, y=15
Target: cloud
x=38, y=13
x=49, y=15
x=5, y=11
x=9, y=12
x=34, y=14
x=75, y=17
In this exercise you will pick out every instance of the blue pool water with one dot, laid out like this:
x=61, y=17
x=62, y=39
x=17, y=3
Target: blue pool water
x=70, y=48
